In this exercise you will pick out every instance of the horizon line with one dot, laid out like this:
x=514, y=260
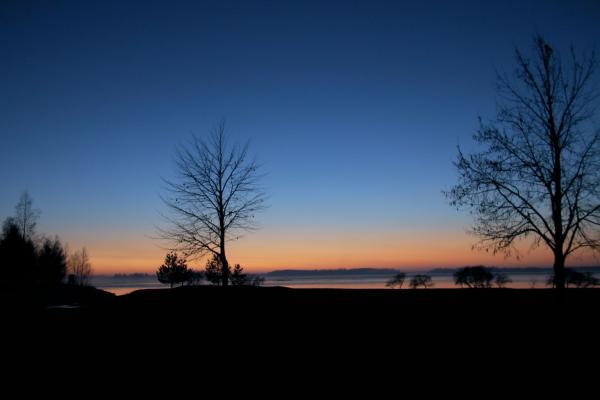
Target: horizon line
x=399, y=269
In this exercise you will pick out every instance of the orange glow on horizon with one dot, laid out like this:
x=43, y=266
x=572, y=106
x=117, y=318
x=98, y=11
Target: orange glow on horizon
x=264, y=251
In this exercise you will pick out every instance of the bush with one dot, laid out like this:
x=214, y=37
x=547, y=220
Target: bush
x=421, y=280
x=397, y=280
x=576, y=279
x=474, y=277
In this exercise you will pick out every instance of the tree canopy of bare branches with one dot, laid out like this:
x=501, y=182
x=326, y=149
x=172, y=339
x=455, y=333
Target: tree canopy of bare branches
x=79, y=266
x=538, y=173
x=26, y=216
x=214, y=199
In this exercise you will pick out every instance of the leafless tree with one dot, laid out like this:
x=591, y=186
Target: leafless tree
x=396, y=280
x=214, y=199
x=538, y=174
x=421, y=280
x=26, y=216
x=78, y=264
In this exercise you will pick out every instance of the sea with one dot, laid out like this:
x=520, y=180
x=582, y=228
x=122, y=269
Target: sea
x=336, y=279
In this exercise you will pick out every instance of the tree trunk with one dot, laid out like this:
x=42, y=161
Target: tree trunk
x=559, y=271
x=224, y=267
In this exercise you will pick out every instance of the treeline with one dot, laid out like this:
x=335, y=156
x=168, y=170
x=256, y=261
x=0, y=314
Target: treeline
x=32, y=260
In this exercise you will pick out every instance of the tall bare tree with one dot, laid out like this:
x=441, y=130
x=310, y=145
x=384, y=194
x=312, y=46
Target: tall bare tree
x=538, y=173
x=215, y=197
x=26, y=216
x=78, y=264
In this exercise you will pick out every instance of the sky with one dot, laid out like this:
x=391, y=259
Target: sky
x=354, y=109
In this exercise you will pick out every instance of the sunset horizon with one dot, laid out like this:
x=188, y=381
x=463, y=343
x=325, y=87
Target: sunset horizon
x=355, y=124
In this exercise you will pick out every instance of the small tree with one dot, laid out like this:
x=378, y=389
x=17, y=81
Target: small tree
x=238, y=278
x=421, y=280
x=474, y=277
x=79, y=267
x=396, y=280
x=26, y=216
x=173, y=271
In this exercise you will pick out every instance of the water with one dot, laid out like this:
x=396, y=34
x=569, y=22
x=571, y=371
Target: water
x=120, y=285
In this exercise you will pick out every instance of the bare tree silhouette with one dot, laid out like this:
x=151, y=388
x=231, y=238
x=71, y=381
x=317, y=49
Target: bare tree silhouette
x=421, y=280
x=26, y=216
x=396, y=280
x=539, y=172
x=215, y=198
x=78, y=265
x=476, y=277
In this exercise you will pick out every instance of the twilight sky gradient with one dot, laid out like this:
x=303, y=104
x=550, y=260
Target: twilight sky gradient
x=354, y=108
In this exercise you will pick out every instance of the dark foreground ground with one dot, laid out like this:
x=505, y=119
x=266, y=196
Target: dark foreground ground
x=259, y=311
x=314, y=332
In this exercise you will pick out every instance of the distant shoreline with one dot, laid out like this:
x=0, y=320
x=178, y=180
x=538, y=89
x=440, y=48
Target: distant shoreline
x=368, y=272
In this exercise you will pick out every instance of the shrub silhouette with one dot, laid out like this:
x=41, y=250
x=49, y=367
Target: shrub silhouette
x=397, y=280
x=421, y=280
x=576, y=279
x=474, y=277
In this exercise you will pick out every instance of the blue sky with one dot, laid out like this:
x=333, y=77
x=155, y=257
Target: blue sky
x=355, y=110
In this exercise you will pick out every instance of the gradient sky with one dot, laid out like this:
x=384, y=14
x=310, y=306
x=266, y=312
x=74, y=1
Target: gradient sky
x=355, y=110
